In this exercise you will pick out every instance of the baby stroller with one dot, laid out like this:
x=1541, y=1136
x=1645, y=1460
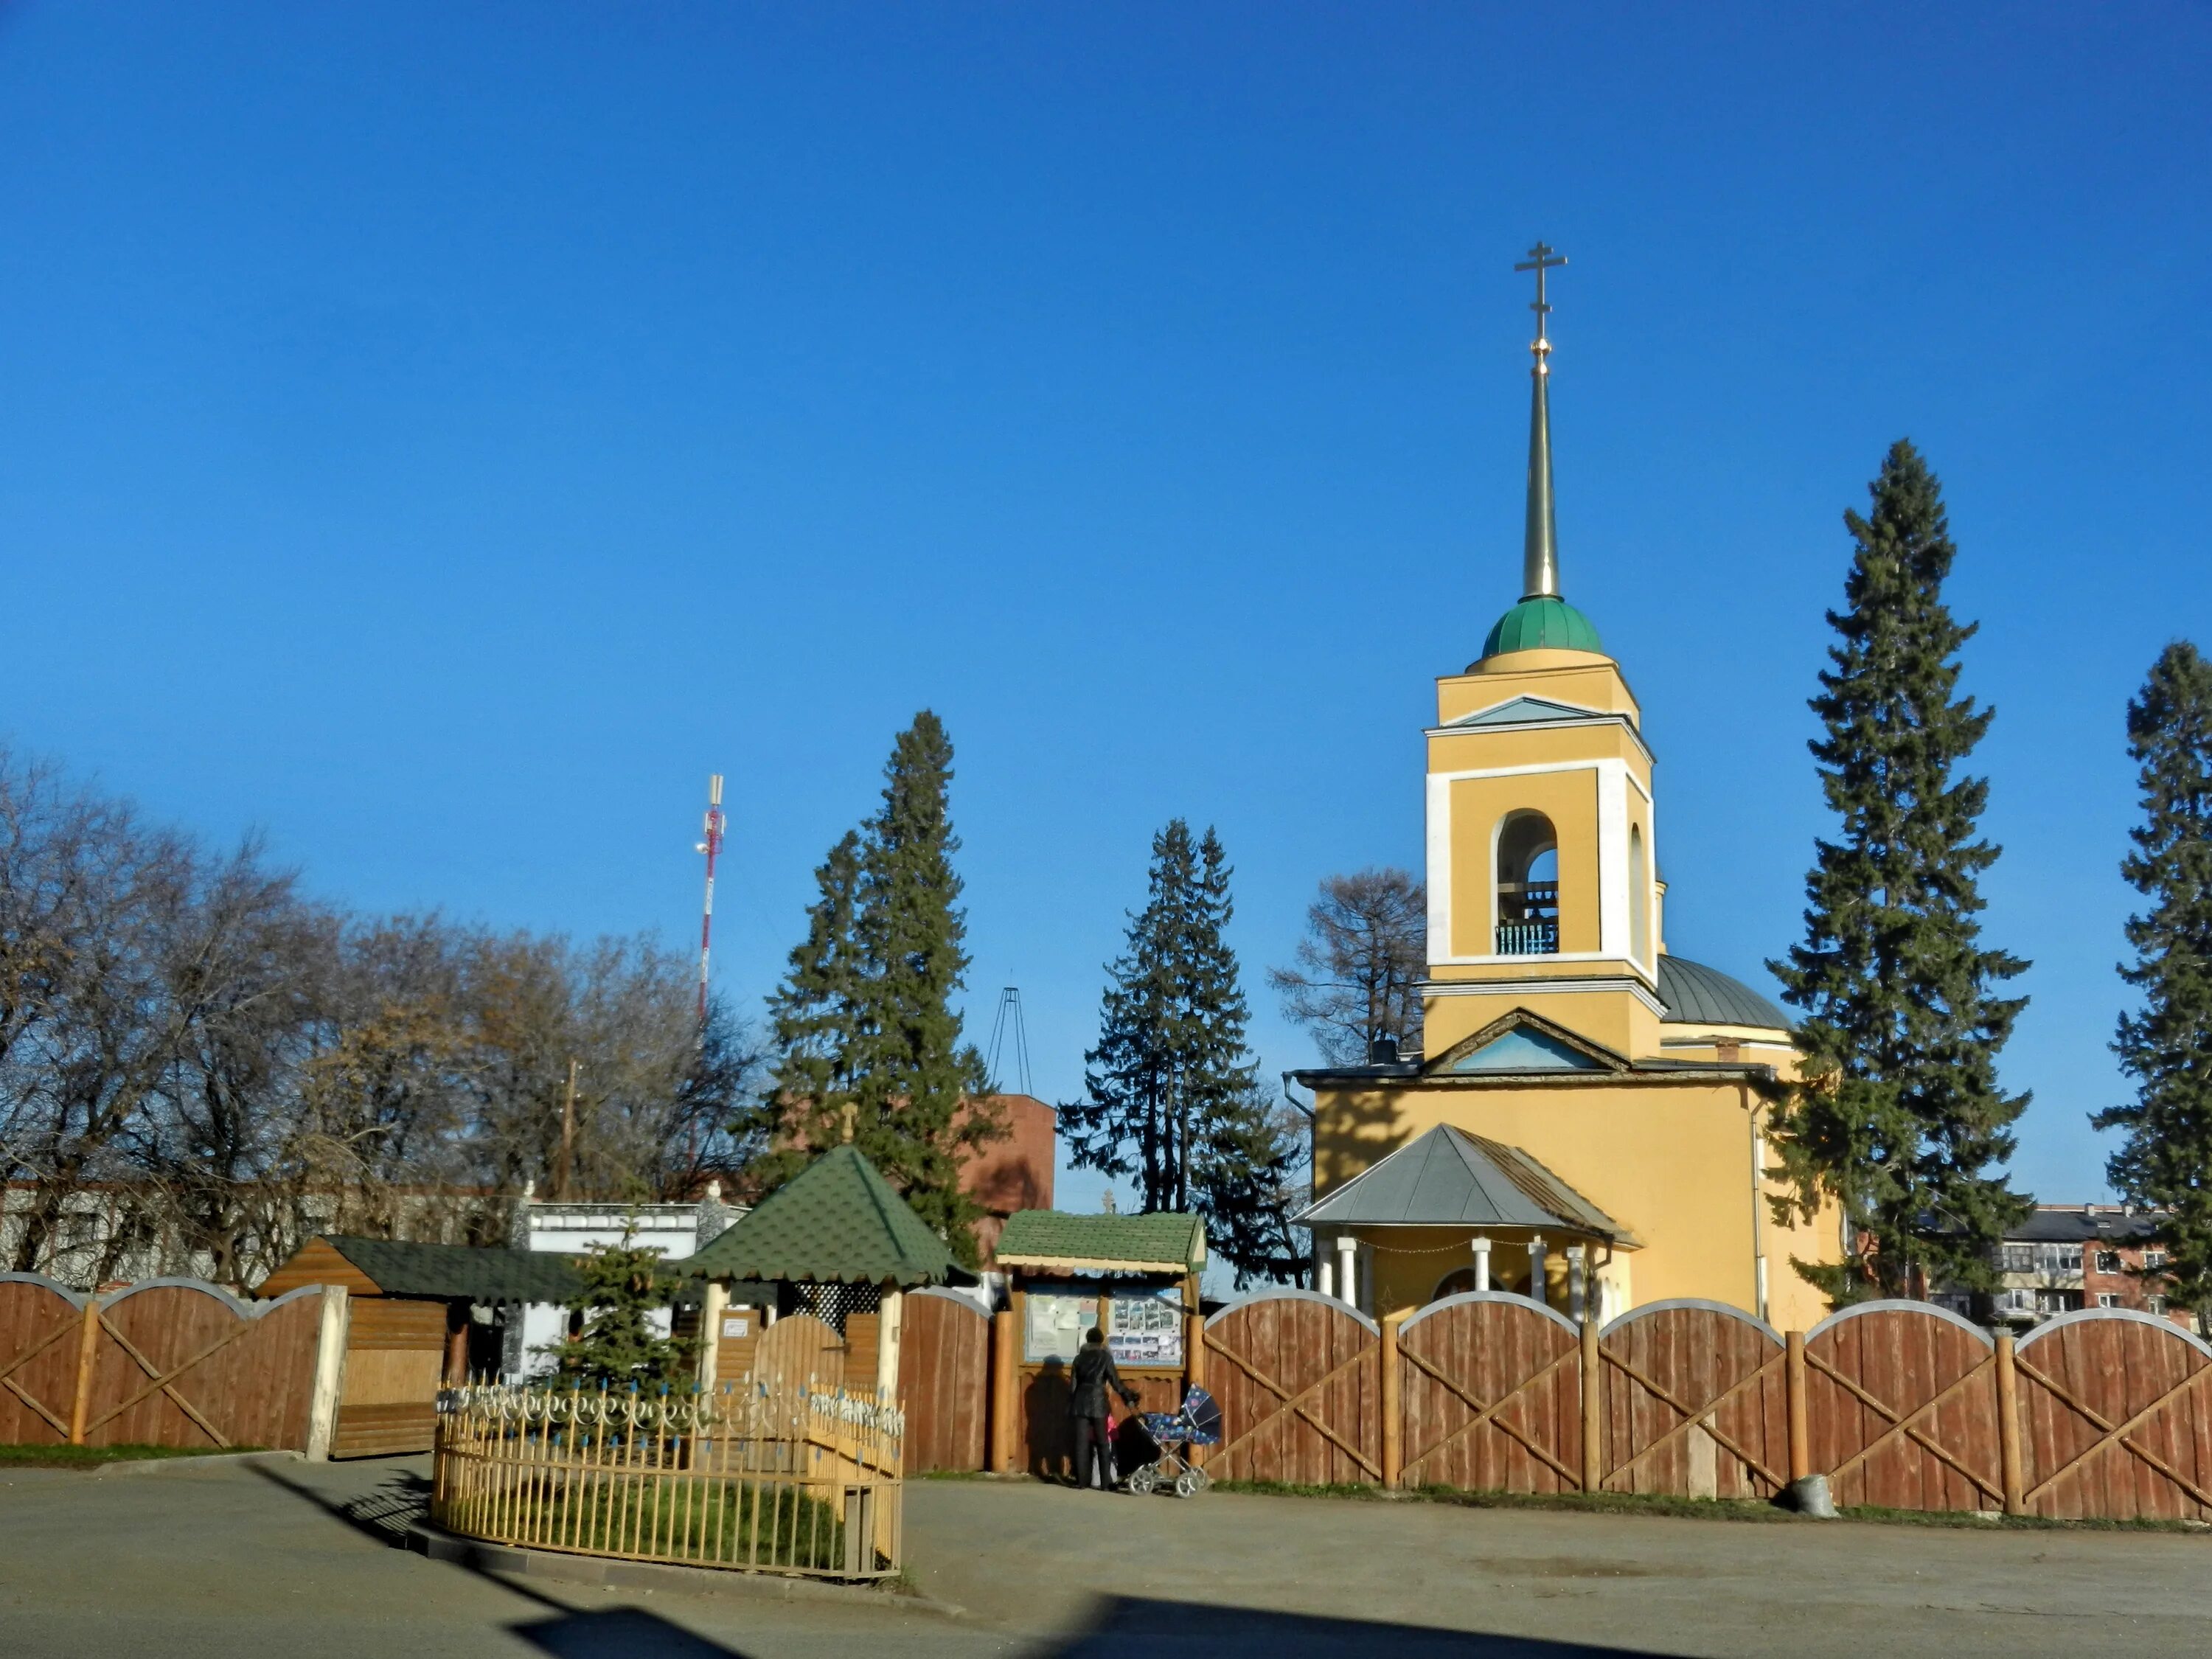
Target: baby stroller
x=1173, y=1435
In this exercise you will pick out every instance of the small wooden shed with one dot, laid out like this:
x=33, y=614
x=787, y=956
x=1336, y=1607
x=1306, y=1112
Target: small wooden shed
x=835, y=1244
x=1135, y=1277
x=412, y=1326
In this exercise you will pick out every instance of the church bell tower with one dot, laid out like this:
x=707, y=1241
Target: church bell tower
x=1542, y=857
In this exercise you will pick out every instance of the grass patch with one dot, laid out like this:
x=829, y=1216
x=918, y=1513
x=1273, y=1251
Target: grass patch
x=741, y=1523
x=88, y=1457
x=1692, y=1508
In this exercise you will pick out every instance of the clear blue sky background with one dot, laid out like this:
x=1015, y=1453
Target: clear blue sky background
x=442, y=434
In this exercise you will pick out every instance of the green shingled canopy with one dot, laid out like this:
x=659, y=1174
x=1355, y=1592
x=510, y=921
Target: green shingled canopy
x=1168, y=1242
x=836, y=1222
x=453, y=1271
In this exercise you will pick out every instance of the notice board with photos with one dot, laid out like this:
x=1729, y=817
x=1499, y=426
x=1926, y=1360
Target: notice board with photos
x=1142, y=1323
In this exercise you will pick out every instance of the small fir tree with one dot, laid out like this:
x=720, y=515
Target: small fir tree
x=1901, y=1116
x=2164, y=1160
x=623, y=1286
x=1173, y=1100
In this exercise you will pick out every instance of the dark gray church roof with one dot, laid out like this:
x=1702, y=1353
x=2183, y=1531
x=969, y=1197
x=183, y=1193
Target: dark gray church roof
x=1698, y=996
x=1449, y=1178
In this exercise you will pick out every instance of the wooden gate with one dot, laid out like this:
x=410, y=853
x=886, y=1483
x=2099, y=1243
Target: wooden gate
x=799, y=1351
x=1492, y=1395
x=1299, y=1383
x=1694, y=1402
x=41, y=1327
x=2116, y=1410
x=944, y=1376
x=1901, y=1408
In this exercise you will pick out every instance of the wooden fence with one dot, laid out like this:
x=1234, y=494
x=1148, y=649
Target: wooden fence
x=1902, y=1405
x=806, y=1482
x=169, y=1363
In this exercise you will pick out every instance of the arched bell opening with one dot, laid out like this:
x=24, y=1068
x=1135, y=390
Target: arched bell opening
x=1528, y=886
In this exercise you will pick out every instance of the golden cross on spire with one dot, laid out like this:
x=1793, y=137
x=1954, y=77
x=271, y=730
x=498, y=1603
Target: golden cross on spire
x=1541, y=258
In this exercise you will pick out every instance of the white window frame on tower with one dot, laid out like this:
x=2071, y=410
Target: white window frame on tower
x=1615, y=779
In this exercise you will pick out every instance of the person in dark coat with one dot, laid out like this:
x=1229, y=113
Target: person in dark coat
x=1091, y=1374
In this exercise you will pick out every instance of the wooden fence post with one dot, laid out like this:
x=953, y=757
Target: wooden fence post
x=2008, y=1428
x=1004, y=1393
x=891, y=1315
x=1393, y=1416
x=1800, y=1435
x=1593, y=1393
x=715, y=1304
x=87, y=1348
x=330, y=1372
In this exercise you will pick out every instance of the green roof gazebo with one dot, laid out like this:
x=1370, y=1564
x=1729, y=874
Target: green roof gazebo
x=835, y=1242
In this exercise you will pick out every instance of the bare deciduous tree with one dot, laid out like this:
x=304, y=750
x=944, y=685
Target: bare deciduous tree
x=1361, y=965
x=199, y=1065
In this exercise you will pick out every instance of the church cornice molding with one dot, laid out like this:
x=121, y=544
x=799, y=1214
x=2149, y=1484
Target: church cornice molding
x=1580, y=724
x=1608, y=984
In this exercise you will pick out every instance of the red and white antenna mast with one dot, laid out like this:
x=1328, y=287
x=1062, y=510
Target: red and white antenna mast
x=711, y=848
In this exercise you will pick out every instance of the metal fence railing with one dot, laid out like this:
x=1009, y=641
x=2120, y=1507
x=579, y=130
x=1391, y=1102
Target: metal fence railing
x=801, y=1481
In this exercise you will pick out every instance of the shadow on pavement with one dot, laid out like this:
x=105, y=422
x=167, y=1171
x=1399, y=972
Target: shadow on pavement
x=385, y=1513
x=402, y=1497
x=1126, y=1625
x=616, y=1633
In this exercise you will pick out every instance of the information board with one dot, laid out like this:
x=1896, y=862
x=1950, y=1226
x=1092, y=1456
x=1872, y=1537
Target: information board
x=1056, y=1325
x=1147, y=1327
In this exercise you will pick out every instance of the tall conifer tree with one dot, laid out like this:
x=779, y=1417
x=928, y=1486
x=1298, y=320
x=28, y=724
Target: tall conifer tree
x=919, y=1085
x=1902, y=1116
x=2165, y=1162
x=864, y=1023
x=1174, y=1100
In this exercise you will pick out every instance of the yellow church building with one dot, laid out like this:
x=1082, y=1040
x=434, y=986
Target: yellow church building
x=1587, y=1122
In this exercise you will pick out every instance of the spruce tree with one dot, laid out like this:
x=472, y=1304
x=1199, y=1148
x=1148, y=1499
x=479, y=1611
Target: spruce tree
x=623, y=1284
x=920, y=1087
x=863, y=1021
x=1174, y=1098
x=815, y=1025
x=2164, y=1161
x=1901, y=1116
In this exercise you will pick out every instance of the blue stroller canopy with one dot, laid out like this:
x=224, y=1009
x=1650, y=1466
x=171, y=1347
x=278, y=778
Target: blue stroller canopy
x=1197, y=1423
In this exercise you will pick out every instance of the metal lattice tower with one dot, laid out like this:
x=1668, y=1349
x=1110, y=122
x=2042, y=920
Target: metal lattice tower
x=1009, y=1025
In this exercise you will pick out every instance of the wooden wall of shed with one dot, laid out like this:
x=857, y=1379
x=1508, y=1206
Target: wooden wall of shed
x=318, y=1262
x=396, y=1358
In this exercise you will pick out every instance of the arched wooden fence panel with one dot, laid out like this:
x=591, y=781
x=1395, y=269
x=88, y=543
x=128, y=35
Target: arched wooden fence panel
x=180, y=1364
x=40, y=1327
x=2116, y=1418
x=1298, y=1378
x=1901, y=1408
x=1694, y=1402
x=945, y=1376
x=1490, y=1395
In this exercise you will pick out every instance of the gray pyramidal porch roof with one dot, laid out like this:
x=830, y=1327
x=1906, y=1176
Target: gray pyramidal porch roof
x=1449, y=1178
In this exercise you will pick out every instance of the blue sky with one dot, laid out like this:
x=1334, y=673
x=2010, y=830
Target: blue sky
x=440, y=435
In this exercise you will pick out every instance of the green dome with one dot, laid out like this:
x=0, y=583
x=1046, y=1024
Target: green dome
x=1546, y=624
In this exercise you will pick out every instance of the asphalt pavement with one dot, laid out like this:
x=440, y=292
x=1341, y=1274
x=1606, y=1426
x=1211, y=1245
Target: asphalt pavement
x=297, y=1561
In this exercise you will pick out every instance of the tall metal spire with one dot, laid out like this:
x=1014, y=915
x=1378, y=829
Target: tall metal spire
x=1539, y=542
